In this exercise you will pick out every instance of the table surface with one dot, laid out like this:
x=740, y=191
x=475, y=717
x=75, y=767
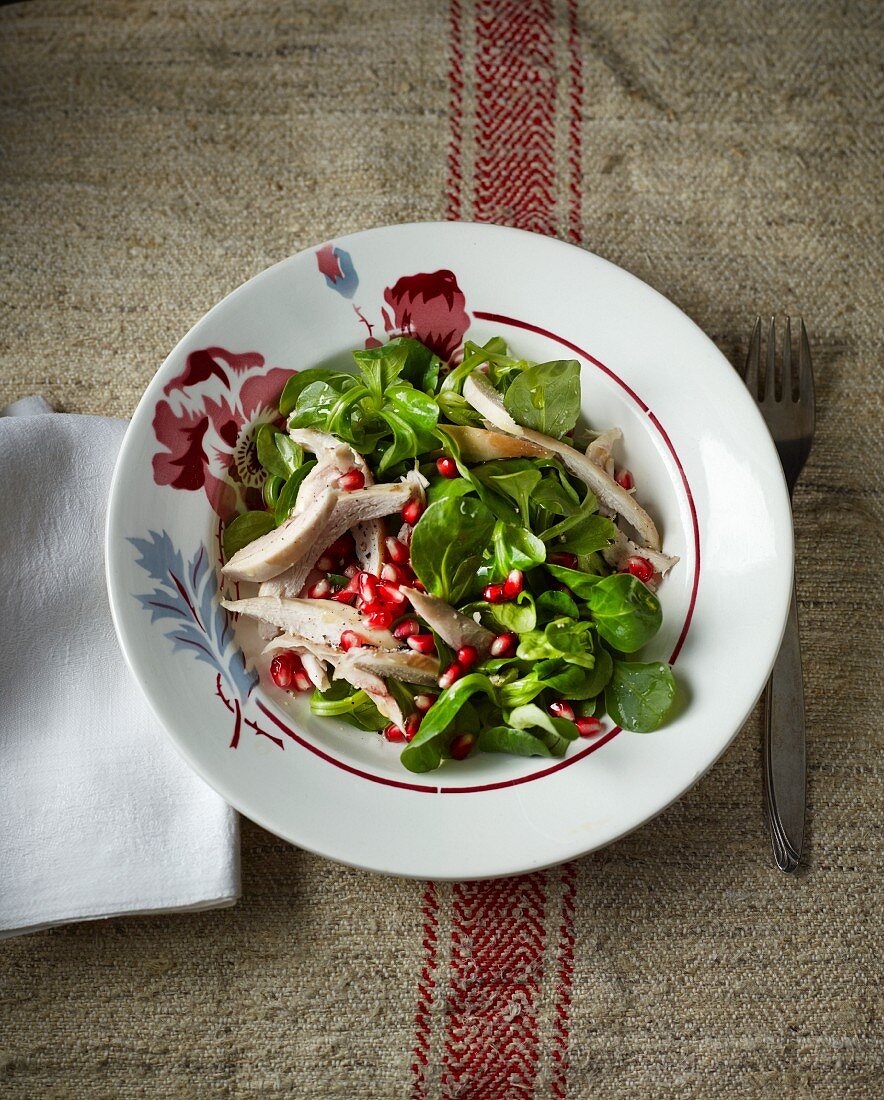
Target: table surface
x=154, y=156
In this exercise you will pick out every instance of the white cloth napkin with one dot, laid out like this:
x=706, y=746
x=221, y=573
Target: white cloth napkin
x=99, y=816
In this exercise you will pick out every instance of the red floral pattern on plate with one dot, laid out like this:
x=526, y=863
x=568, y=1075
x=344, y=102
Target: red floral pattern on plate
x=431, y=307
x=207, y=426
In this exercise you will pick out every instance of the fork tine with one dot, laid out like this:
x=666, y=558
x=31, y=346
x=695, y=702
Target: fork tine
x=753, y=356
x=768, y=385
x=805, y=370
x=787, y=382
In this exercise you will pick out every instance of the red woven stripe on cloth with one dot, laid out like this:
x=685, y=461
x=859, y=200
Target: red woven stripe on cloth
x=494, y=993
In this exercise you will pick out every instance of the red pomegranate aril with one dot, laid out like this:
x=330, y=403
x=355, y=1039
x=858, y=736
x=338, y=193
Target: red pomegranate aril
x=493, y=593
x=638, y=567
x=390, y=594
x=407, y=628
x=368, y=587
x=447, y=467
x=344, y=595
x=624, y=478
x=377, y=616
x=412, y=511
x=341, y=548
x=588, y=727
x=461, y=747
x=561, y=708
x=504, y=645
x=394, y=733
x=412, y=725
x=424, y=702
x=395, y=574
x=397, y=552
x=352, y=571
x=421, y=643
x=353, y=479
x=452, y=673
x=467, y=656
x=303, y=682
x=349, y=639
x=326, y=564
x=321, y=590
x=563, y=557
x=283, y=668
x=513, y=584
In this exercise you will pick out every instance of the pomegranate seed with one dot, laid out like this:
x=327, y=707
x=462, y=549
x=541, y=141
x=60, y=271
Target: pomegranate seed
x=377, y=616
x=638, y=567
x=396, y=551
x=562, y=709
x=395, y=574
x=624, y=478
x=344, y=595
x=326, y=564
x=412, y=511
x=419, y=585
x=461, y=747
x=504, y=645
x=390, y=594
x=349, y=639
x=407, y=628
x=352, y=571
x=452, y=673
x=351, y=480
x=588, y=727
x=563, y=557
x=368, y=587
x=342, y=547
x=493, y=593
x=283, y=668
x=303, y=681
x=513, y=584
x=467, y=656
x=421, y=643
x=412, y=725
x=424, y=702
x=321, y=590
x=394, y=733
x=447, y=467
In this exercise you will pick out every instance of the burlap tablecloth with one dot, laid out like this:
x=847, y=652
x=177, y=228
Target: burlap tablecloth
x=155, y=155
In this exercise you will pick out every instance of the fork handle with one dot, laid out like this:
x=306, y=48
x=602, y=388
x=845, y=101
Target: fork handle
x=784, y=749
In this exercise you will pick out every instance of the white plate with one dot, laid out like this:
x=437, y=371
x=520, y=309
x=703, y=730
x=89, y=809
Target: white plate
x=703, y=461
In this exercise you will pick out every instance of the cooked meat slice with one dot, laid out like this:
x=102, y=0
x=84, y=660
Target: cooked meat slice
x=599, y=451
x=354, y=673
x=484, y=445
x=274, y=552
x=350, y=510
x=622, y=548
x=404, y=664
x=452, y=627
x=320, y=621
x=336, y=458
x=315, y=670
x=486, y=400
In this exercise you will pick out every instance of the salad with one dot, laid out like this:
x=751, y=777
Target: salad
x=447, y=559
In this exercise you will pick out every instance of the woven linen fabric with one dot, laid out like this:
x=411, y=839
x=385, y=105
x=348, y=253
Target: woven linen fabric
x=155, y=155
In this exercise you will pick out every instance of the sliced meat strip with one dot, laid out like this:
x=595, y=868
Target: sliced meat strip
x=334, y=459
x=321, y=621
x=354, y=673
x=622, y=548
x=350, y=509
x=486, y=400
x=599, y=451
x=404, y=664
x=452, y=627
x=274, y=552
x=484, y=445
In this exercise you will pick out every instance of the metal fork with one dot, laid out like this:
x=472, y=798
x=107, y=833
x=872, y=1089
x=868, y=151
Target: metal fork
x=786, y=400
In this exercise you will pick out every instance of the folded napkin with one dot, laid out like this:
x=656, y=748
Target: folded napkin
x=99, y=816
